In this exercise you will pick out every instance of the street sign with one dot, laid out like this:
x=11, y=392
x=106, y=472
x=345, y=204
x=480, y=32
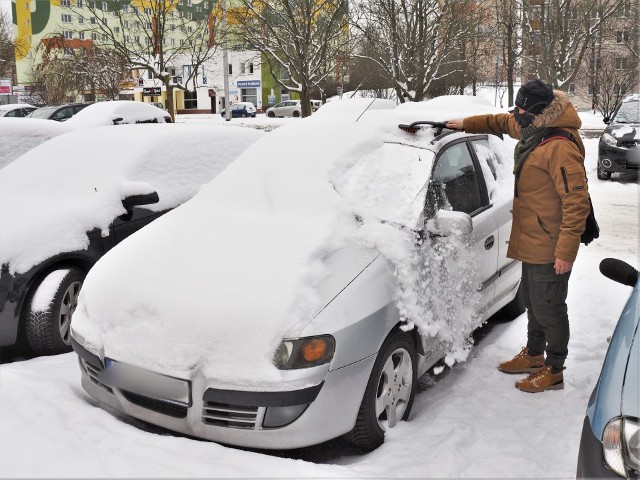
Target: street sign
x=151, y=91
x=5, y=86
x=339, y=90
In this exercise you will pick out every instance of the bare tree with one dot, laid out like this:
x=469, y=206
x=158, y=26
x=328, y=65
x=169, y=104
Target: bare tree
x=101, y=70
x=9, y=47
x=300, y=39
x=412, y=41
x=560, y=32
x=53, y=80
x=508, y=38
x=154, y=35
x=613, y=78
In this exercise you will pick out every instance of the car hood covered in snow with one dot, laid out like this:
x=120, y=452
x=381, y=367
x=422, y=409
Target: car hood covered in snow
x=74, y=183
x=212, y=287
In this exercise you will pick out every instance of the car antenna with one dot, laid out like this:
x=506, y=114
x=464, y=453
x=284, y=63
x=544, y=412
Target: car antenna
x=415, y=126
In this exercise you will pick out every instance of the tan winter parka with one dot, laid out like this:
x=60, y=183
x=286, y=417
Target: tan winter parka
x=551, y=198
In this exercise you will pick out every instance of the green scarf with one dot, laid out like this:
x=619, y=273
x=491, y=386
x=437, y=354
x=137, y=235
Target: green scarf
x=529, y=139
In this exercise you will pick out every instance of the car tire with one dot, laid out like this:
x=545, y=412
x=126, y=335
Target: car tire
x=515, y=307
x=48, y=327
x=244, y=115
x=296, y=113
x=271, y=114
x=390, y=390
x=603, y=174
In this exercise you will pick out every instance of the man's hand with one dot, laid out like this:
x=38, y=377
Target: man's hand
x=562, y=266
x=457, y=124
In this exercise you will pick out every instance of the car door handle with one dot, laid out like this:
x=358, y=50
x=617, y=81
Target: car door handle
x=488, y=243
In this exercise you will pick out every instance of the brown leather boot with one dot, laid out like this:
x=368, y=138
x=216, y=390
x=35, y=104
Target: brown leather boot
x=540, y=381
x=522, y=363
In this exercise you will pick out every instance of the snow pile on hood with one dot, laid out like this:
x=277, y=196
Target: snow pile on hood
x=19, y=135
x=54, y=194
x=104, y=113
x=218, y=281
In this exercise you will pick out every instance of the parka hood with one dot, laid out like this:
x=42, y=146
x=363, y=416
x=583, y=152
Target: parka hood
x=559, y=113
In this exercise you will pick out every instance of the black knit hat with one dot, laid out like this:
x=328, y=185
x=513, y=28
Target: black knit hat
x=534, y=96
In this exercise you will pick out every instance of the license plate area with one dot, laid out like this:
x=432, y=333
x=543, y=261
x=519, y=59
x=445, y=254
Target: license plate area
x=145, y=382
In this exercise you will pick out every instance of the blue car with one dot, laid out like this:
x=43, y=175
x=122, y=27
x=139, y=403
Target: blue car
x=610, y=443
x=241, y=110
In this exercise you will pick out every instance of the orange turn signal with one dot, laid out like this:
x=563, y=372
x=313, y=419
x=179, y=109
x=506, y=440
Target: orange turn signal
x=314, y=350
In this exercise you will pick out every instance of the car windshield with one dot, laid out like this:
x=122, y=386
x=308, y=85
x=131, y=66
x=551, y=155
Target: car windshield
x=629, y=112
x=44, y=112
x=390, y=183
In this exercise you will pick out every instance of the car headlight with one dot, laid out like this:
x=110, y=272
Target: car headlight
x=304, y=352
x=609, y=139
x=621, y=445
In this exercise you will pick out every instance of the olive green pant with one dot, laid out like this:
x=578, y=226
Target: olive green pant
x=545, y=295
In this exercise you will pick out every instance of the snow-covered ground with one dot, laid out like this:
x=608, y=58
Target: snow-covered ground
x=467, y=422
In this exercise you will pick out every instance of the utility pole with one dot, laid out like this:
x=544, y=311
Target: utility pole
x=225, y=63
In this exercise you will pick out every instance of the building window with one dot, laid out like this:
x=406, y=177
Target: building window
x=572, y=89
x=173, y=42
x=190, y=99
x=147, y=11
x=105, y=6
x=80, y=3
x=625, y=9
x=250, y=95
x=620, y=89
x=148, y=41
x=104, y=20
x=65, y=3
x=81, y=35
x=251, y=69
x=94, y=36
x=116, y=29
x=93, y=20
x=80, y=20
x=127, y=39
x=125, y=9
x=622, y=36
x=67, y=52
x=230, y=69
x=284, y=73
x=126, y=24
x=67, y=34
x=594, y=90
x=242, y=68
x=189, y=16
x=620, y=63
x=66, y=18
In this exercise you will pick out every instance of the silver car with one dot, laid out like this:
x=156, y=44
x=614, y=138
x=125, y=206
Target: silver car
x=351, y=367
x=289, y=108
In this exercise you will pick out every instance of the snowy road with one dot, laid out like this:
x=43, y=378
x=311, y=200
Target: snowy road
x=470, y=422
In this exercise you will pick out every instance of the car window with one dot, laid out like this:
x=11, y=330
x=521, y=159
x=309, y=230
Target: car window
x=454, y=182
x=63, y=114
x=13, y=113
x=629, y=112
x=489, y=163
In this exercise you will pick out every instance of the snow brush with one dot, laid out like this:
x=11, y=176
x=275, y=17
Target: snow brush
x=415, y=126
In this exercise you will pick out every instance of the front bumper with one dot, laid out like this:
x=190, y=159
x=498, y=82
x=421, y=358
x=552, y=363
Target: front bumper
x=239, y=417
x=616, y=159
x=590, y=457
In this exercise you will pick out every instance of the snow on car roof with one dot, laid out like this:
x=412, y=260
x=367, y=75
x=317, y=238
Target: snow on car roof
x=58, y=191
x=253, y=242
x=12, y=106
x=104, y=113
x=19, y=135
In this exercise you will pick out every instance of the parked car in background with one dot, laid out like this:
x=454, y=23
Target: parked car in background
x=16, y=110
x=274, y=287
x=610, y=442
x=59, y=113
x=621, y=135
x=316, y=104
x=241, y=110
x=118, y=112
x=289, y=108
x=20, y=136
x=66, y=202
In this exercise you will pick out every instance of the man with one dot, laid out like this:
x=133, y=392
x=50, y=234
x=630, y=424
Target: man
x=550, y=208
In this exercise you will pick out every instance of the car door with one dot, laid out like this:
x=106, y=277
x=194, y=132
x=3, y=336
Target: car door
x=502, y=205
x=457, y=184
x=140, y=217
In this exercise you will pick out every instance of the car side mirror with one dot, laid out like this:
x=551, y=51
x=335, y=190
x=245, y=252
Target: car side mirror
x=136, y=200
x=606, y=120
x=447, y=223
x=117, y=120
